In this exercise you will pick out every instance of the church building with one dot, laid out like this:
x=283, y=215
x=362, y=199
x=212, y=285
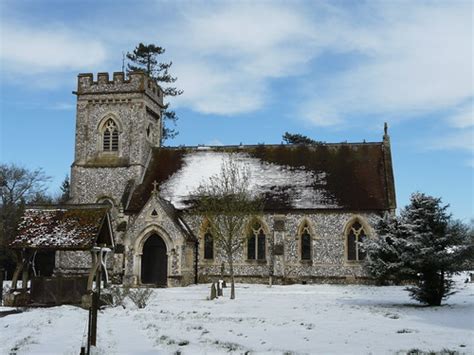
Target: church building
x=319, y=201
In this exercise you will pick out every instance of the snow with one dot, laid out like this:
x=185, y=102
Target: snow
x=47, y=228
x=327, y=319
x=265, y=177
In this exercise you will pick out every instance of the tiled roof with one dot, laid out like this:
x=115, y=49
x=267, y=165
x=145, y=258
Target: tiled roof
x=71, y=227
x=346, y=176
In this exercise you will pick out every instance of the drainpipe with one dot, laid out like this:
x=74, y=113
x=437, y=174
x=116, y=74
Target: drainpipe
x=196, y=249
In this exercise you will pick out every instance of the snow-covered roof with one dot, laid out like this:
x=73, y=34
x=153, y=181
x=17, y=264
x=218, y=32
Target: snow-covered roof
x=71, y=227
x=352, y=176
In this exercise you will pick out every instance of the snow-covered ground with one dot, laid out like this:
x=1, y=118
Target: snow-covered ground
x=315, y=319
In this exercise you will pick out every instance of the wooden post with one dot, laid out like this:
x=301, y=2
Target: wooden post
x=1, y=286
x=94, y=308
x=98, y=264
x=26, y=266
x=89, y=329
x=18, y=269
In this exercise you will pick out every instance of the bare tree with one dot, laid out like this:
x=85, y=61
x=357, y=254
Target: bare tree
x=227, y=202
x=18, y=186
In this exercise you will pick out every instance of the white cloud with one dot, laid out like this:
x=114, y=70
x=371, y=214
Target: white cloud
x=62, y=106
x=214, y=90
x=463, y=117
x=318, y=114
x=400, y=59
x=225, y=55
x=415, y=59
x=459, y=140
x=34, y=50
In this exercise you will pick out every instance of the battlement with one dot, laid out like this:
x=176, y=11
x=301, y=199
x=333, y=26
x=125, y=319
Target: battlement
x=137, y=82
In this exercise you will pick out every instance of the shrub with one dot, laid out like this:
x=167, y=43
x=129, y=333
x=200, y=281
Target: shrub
x=118, y=295
x=140, y=296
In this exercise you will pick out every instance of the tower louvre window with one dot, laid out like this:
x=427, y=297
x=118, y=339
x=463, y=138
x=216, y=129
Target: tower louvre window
x=110, y=138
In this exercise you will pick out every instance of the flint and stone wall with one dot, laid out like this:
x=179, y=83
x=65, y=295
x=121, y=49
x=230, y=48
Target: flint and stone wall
x=180, y=251
x=135, y=105
x=328, y=251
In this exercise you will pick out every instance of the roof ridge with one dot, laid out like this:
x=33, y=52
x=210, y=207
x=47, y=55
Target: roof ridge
x=266, y=145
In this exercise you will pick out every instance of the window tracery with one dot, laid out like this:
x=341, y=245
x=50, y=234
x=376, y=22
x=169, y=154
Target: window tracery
x=256, y=242
x=355, y=237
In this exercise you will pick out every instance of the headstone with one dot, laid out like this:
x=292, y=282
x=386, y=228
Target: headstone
x=213, y=291
x=219, y=288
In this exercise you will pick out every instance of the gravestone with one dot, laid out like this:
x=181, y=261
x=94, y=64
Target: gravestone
x=213, y=292
x=219, y=288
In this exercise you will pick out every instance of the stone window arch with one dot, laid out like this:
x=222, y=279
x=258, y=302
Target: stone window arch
x=106, y=200
x=110, y=203
x=109, y=131
x=356, y=231
x=256, y=241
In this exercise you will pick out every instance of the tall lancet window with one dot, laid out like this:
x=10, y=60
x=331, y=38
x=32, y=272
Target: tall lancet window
x=355, y=236
x=305, y=238
x=110, y=139
x=208, y=246
x=256, y=243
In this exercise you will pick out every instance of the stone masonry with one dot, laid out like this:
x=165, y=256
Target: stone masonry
x=135, y=105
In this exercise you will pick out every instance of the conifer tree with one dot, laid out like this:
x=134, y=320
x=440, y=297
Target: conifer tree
x=384, y=261
x=145, y=58
x=65, y=190
x=424, y=245
x=296, y=138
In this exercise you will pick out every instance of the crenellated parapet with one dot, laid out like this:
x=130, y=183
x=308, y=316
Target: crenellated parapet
x=136, y=82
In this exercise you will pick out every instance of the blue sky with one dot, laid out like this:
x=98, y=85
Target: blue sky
x=250, y=71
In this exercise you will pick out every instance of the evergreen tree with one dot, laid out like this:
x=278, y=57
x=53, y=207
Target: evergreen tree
x=145, y=58
x=384, y=261
x=424, y=245
x=65, y=190
x=290, y=138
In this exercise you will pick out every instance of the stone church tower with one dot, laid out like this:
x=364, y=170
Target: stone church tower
x=118, y=123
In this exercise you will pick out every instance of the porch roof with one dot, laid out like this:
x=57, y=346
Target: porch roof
x=71, y=227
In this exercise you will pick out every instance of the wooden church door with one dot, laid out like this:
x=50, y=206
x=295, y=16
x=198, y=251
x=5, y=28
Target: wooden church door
x=154, y=262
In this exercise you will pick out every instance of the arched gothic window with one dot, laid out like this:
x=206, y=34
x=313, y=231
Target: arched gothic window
x=355, y=236
x=208, y=245
x=256, y=242
x=305, y=238
x=110, y=136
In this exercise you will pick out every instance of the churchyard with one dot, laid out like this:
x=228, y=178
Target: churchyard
x=295, y=319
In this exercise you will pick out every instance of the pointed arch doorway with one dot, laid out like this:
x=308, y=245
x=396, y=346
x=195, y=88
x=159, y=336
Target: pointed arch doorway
x=154, y=268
